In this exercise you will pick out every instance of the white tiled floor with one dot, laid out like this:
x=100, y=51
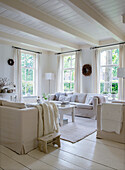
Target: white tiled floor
x=89, y=153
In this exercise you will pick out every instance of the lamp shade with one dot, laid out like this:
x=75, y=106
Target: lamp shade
x=49, y=76
x=121, y=72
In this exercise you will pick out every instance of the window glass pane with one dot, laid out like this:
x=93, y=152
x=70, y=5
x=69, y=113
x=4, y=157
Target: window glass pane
x=115, y=86
x=23, y=88
x=67, y=75
x=66, y=86
x=67, y=61
x=23, y=74
x=114, y=72
x=28, y=72
x=115, y=56
x=108, y=71
x=29, y=88
x=69, y=72
x=29, y=60
x=29, y=75
x=73, y=63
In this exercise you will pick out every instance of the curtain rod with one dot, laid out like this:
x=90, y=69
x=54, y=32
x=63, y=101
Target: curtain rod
x=68, y=52
x=107, y=45
x=26, y=50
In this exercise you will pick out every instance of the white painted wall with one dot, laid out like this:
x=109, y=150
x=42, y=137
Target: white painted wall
x=6, y=52
x=87, y=58
x=48, y=63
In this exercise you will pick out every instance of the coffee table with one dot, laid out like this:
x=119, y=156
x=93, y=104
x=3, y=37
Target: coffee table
x=64, y=110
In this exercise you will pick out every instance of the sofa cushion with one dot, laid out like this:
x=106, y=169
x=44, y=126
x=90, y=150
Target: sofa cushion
x=80, y=97
x=68, y=98
x=13, y=104
x=58, y=94
x=90, y=97
x=73, y=98
x=61, y=97
x=84, y=106
x=52, y=97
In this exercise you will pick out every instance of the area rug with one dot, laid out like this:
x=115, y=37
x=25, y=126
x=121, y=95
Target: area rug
x=78, y=130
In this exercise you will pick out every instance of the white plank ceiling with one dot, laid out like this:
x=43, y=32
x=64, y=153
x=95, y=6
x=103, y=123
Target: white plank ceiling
x=61, y=11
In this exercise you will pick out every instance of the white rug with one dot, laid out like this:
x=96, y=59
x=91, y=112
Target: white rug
x=78, y=130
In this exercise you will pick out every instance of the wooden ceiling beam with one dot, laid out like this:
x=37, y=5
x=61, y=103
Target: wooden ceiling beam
x=22, y=7
x=29, y=42
x=26, y=29
x=83, y=8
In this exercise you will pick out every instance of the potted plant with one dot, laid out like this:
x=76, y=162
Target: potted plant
x=113, y=94
x=105, y=93
x=44, y=96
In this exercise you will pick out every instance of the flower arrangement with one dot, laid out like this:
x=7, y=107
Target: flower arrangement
x=4, y=84
x=45, y=96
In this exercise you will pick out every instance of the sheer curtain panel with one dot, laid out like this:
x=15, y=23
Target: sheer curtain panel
x=17, y=74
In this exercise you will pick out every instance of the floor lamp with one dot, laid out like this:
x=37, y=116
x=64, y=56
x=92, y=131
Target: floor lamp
x=49, y=76
x=121, y=74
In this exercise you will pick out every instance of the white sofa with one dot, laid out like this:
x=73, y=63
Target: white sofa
x=18, y=127
x=85, y=103
x=101, y=134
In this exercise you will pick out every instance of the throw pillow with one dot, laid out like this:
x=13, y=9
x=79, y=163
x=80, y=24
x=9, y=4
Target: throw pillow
x=57, y=96
x=61, y=98
x=52, y=97
x=68, y=98
x=73, y=98
x=81, y=98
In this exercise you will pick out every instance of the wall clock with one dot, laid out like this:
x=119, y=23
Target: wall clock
x=86, y=70
x=11, y=62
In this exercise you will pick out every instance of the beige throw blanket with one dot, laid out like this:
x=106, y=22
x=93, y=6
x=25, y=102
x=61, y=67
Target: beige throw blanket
x=112, y=117
x=47, y=119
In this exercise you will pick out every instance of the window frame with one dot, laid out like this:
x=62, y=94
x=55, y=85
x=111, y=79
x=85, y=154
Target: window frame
x=34, y=73
x=69, y=69
x=107, y=65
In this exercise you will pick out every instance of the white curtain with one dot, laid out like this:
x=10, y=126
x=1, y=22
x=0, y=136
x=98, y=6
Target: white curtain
x=78, y=72
x=38, y=75
x=121, y=83
x=17, y=74
x=96, y=72
x=60, y=74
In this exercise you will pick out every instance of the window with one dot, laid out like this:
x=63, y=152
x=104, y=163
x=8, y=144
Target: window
x=109, y=63
x=28, y=68
x=69, y=72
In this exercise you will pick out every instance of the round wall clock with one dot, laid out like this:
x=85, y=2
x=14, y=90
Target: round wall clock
x=11, y=62
x=86, y=70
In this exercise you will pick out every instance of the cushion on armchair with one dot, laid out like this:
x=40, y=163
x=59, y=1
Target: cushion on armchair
x=80, y=98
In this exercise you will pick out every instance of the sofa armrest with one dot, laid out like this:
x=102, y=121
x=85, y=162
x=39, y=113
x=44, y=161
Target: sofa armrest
x=99, y=117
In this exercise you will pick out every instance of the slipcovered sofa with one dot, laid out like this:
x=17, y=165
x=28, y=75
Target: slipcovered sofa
x=18, y=126
x=85, y=103
x=102, y=134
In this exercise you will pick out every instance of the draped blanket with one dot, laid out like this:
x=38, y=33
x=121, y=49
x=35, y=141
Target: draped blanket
x=112, y=117
x=47, y=119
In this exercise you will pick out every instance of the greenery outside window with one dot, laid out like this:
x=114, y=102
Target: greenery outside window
x=28, y=69
x=69, y=72
x=109, y=62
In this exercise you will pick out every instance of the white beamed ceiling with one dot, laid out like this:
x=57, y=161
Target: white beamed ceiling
x=60, y=10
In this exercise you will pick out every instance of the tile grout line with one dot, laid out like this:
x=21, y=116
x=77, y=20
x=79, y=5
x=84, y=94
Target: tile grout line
x=41, y=161
x=88, y=159
x=15, y=160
